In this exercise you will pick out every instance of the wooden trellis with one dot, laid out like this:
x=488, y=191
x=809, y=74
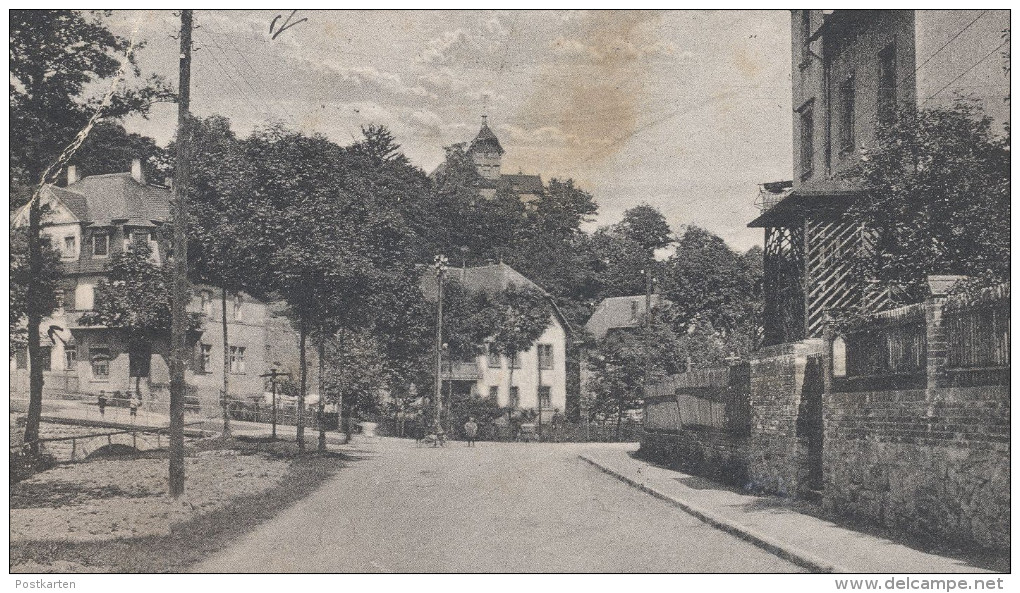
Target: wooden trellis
x=784, y=283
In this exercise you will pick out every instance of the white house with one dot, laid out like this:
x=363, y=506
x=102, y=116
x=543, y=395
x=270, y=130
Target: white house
x=535, y=377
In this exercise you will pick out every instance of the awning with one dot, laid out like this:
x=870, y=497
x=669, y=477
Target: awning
x=794, y=206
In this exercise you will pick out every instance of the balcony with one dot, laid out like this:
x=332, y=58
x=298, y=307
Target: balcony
x=460, y=371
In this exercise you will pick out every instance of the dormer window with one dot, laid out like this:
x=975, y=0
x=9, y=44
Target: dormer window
x=101, y=245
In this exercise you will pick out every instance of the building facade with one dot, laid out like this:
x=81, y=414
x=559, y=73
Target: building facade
x=88, y=222
x=532, y=380
x=852, y=70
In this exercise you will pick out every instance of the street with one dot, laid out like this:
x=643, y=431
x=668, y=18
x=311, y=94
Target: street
x=499, y=507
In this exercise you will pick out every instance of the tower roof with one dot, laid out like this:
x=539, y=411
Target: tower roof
x=486, y=140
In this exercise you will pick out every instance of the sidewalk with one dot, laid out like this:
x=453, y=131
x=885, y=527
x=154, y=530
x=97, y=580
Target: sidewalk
x=816, y=544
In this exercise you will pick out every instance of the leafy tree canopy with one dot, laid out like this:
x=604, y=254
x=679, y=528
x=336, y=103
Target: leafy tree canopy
x=54, y=56
x=936, y=199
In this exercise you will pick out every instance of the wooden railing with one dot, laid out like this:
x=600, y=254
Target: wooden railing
x=890, y=351
x=977, y=331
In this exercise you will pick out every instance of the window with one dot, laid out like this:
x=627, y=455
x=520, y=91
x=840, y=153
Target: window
x=83, y=296
x=47, y=357
x=494, y=393
x=807, y=140
x=58, y=298
x=69, y=250
x=887, y=84
x=100, y=363
x=545, y=396
x=207, y=298
x=515, y=396
x=238, y=311
x=847, y=141
x=515, y=361
x=494, y=359
x=205, y=358
x=545, y=356
x=101, y=245
x=70, y=357
x=237, y=360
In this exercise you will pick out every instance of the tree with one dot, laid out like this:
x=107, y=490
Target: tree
x=109, y=148
x=134, y=296
x=222, y=251
x=647, y=227
x=619, y=362
x=45, y=293
x=935, y=200
x=523, y=316
x=55, y=55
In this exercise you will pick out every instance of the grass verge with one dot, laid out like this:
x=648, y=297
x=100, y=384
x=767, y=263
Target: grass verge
x=192, y=540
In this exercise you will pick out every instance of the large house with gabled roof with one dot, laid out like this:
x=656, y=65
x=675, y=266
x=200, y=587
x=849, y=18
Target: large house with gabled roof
x=89, y=221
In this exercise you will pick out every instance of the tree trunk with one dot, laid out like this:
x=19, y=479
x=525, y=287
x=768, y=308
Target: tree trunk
x=303, y=330
x=35, y=370
x=322, y=395
x=226, y=368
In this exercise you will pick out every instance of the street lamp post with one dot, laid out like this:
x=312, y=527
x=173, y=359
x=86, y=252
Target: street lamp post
x=440, y=263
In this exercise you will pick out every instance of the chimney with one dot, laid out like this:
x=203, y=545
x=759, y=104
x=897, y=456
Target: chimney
x=72, y=174
x=136, y=171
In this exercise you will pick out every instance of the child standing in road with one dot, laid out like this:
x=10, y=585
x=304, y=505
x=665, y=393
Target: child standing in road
x=134, y=407
x=470, y=431
x=102, y=402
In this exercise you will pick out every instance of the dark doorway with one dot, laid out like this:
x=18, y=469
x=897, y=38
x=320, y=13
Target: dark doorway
x=810, y=421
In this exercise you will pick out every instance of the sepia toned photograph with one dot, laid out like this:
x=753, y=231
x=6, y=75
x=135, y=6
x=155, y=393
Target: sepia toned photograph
x=716, y=292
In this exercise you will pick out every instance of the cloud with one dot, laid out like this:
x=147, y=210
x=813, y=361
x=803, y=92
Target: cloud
x=477, y=44
x=617, y=48
x=544, y=136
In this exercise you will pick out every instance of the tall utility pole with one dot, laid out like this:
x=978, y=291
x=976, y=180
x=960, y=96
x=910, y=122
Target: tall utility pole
x=648, y=325
x=181, y=291
x=440, y=266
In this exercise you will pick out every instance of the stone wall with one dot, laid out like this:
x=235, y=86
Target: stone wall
x=712, y=453
x=931, y=462
x=776, y=458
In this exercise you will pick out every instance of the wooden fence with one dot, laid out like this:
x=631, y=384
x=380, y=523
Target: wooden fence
x=889, y=351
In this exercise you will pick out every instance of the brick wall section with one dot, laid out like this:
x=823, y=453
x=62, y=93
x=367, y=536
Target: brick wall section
x=932, y=462
x=775, y=457
x=716, y=454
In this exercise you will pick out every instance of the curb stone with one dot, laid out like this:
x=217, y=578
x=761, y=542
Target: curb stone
x=767, y=543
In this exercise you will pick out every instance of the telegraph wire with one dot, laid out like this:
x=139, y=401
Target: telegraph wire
x=944, y=45
x=961, y=75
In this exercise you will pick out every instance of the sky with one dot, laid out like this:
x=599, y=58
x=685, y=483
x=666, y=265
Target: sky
x=687, y=111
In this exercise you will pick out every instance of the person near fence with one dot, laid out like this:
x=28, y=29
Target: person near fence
x=102, y=402
x=134, y=406
x=470, y=431
x=557, y=423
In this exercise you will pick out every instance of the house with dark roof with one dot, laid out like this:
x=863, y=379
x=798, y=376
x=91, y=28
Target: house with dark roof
x=91, y=220
x=532, y=379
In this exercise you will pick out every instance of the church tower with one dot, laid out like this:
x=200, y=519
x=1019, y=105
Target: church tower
x=486, y=152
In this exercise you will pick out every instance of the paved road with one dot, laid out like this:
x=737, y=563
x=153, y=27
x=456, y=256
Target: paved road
x=493, y=508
